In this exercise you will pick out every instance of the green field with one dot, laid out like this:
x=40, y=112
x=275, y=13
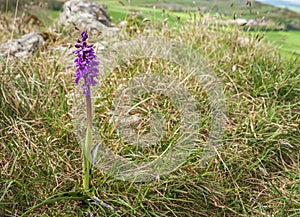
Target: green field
x=287, y=41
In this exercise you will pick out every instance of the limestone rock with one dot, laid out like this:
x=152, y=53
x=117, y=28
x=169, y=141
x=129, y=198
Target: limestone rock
x=89, y=15
x=22, y=47
x=243, y=41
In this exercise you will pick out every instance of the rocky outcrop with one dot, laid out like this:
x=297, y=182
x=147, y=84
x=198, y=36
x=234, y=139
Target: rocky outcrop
x=81, y=14
x=89, y=15
x=22, y=47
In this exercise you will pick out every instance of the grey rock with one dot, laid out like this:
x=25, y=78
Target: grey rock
x=89, y=15
x=243, y=41
x=123, y=24
x=22, y=47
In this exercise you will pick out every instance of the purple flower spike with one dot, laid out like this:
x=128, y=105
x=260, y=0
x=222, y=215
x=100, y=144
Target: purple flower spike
x=86, y=63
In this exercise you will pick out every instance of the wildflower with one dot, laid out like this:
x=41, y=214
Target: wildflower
x=86, y=63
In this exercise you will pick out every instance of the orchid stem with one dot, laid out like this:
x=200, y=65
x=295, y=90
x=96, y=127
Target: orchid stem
x=86, y=164
x=89, y=110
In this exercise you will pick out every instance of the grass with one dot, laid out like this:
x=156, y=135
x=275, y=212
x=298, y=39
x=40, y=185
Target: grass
x=255, y=173
x=281, y=17
x=286, y=40
x=120, y=12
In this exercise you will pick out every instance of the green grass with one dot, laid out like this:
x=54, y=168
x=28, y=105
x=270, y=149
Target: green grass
x=288, y=41
x=119, y=12
x=219, y=7
x=255, y=173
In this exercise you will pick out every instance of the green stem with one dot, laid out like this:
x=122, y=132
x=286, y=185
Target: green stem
x=57, y=198
x=89, y=110
x=86, y=163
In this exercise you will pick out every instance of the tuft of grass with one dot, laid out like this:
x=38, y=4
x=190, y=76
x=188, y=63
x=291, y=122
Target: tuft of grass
x=255, y=173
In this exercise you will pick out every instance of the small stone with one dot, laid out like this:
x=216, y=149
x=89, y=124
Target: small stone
x=123, y=24
x=26, y=45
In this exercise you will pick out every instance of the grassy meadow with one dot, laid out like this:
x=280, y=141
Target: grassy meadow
x=256, y=172
x=157, y=11
x=288, y=41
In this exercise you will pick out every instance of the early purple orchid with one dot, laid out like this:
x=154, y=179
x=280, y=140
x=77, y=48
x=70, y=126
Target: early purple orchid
x=86, y=63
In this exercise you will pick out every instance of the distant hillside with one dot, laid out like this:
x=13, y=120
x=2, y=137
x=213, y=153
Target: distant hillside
x=281, y=18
